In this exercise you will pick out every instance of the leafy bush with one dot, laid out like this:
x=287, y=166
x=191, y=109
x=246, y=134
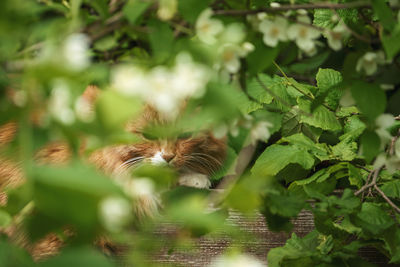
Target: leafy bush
x=310, y=90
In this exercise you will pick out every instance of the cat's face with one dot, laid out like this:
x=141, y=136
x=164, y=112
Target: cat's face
x=200, y=153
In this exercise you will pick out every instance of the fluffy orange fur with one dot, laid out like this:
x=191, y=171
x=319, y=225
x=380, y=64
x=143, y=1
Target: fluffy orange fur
x=201, y=154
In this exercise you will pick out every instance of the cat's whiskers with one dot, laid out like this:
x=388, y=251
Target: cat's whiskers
x=203, y=155
x=205, y=163
x=128, y=164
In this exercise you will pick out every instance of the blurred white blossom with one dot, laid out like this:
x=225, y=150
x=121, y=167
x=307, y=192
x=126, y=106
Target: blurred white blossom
x=163, y=88
x=75, y=51
x=129, y=80
x=274, y=30
x=59, y=103
x=139, y=186
x=167, y=9
x=260, y=131
x=386, y=87
x=114, y=213
x=19, y=98
x=369, y=62
x=304, y=35
x=236, y=260
x=383, y=122
x=336, y=36
x=207, y=28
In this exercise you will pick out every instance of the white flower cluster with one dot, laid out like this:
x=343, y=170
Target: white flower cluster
x=277, y=29
x=236, y=260
x=167, y=9
x=59, y=105
x=229, y=40
x=161, y=87
x=75, y=51
x=369, y=62
x=259, y=129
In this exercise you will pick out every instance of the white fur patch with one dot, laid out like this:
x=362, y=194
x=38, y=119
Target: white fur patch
x=194, y=179
x=157, y=159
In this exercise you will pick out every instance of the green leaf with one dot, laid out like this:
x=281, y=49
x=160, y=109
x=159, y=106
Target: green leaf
x=134, y=9
x=323, y=18
x=5, y=218
x=303, y=142
x=384, y=13
x=190, y=9
x=363, y=93
x=321, y=117
x=258, y=92
x=114, y=109
x=345, y=150
x=391, y=42
x=311, y=63
x=291, y=125
x=391, y=188
x=161, y=40
x=353, y=128
x=373, y=218
x=78, y=256
x=105, y=43
x=79, y=187
x=261, y=58
x=276, y=157
x=328, y=81
x=370, y=144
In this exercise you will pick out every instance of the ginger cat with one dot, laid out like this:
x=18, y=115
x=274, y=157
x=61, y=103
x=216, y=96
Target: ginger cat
x=194, y=157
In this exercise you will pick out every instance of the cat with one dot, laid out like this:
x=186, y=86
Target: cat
x=195, y=158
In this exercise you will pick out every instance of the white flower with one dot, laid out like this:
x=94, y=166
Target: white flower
x=230, y=58
x=236, y=260
x=274, y=30
x=59, y=103
x=114, y=213
x=129, y=80
x=336, y=35
x=386, y=87
x=383, y=122
x=138, y=187
x=369, y=62
x=303, y=34
x=75, y=51
x=274, y=4
x=189, y=78
x=260, y=131
x=167, y=9
x=83, y=109
x=247, y=47
x=207, y=28
x=233, y=33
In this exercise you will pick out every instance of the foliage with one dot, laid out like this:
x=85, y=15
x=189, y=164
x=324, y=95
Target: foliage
x=314, y=87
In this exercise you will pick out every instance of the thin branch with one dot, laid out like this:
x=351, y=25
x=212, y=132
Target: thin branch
x=394, y=206
x=393, y=143
x=359, y=4
x=367, y=185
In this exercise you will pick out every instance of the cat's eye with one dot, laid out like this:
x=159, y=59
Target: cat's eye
x=149, y=136
x=185, y=135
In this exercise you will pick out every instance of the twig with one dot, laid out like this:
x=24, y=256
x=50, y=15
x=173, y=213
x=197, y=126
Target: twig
x=393, y=143
x=387, y=199
x=367, y=185
x=360, y=4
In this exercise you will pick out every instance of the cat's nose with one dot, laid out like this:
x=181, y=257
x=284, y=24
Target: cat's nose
x=168, y=157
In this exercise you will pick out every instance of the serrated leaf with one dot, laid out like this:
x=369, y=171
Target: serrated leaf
x=328, y=82
x=303, y=142
x=321, y=117
x=391, y=188
x=309, y=64
x=291, y=125
x=276, y=157
x=373, y=218
x=391, y=42
x=323, y=18
x=345, y=150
